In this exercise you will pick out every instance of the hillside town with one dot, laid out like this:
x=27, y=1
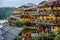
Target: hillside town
x=37, y=19
x=36, y=22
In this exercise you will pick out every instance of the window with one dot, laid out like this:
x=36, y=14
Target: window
x=40, y=12
x=41, y=18
x=55, y=12
x=58, y=8
x=47, y=12
x=58, y=18
x=45, y=17
x=41, y=8
x=59, y=12
x=54, y=8
x=48, y=8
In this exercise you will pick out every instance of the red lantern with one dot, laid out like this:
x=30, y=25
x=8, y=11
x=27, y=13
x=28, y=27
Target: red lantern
x=46, y=31
x=40, y=28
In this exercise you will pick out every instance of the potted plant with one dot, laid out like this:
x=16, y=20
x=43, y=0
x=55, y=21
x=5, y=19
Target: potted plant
x=18, y=37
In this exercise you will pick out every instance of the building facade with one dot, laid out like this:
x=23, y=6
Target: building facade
x=45, y=16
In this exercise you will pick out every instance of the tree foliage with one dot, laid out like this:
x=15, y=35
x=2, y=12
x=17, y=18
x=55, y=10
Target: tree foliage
x=6, y=12
x=19, y=23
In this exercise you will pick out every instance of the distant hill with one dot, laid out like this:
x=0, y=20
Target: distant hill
x=6, y=12
x=28, y=5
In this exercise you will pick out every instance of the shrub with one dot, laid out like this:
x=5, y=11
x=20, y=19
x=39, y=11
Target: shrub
x=19, y=23
x=57, y=37
x=35, y=38
x=18, y=37
x=29, y=28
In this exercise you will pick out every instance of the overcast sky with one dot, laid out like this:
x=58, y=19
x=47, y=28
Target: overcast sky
x=17, y=3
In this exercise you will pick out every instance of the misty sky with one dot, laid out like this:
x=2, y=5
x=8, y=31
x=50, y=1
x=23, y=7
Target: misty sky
x=17, y=3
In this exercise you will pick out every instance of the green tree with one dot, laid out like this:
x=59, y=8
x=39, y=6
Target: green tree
x=19, y=23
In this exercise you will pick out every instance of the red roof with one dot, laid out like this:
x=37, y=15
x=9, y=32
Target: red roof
x=54, y=2
x=58, y=0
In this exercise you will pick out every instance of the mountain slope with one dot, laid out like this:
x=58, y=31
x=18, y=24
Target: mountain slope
x=5, y=12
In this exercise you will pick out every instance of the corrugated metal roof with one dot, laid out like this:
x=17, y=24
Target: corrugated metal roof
x=9, y=33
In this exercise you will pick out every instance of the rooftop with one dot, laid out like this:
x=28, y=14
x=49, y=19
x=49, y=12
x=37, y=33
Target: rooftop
x=9, y=32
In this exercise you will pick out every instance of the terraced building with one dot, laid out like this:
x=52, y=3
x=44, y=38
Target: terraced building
x=45, y=15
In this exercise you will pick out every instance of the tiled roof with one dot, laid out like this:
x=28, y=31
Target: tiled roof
x=9, y=33
x=0, y=35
